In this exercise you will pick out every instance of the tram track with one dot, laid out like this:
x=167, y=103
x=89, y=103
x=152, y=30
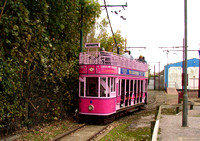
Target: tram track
x=88, y=132
x=85, y=132
x=58, y=138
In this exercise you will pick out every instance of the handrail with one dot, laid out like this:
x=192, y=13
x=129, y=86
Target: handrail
x=108, y=58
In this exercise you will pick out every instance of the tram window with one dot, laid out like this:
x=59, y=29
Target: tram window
x=146, y=83
x=82, y=89
x=127, y=92
x=92, y=86
x=119, y=87
x=108, y=81
x=131, y=91
x=112, y=84
x=122, y=92
x=127, y=87
x=103, y=87
x=138, y=86
x=142, y=86
x=131, y=86
x=122, y=86
x=135, y=87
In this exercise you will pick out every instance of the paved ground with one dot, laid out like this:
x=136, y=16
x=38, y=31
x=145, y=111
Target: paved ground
x=172, y=130
x=172, y=91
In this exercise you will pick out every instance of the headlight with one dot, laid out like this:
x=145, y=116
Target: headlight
x=91, y=107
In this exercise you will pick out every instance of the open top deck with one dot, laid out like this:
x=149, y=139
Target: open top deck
x=109, y=58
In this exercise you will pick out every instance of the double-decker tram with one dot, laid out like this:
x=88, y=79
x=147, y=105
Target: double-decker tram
x=109, y=83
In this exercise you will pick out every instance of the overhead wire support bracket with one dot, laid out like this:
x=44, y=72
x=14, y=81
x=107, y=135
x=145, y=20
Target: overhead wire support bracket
x=114, y=5
x=178, y=50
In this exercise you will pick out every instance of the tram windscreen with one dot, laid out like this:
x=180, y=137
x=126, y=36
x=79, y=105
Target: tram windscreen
x=103, y=87
x=92, y=86
x=82, y=89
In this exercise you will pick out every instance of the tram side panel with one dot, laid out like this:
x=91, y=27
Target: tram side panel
x=92, y=106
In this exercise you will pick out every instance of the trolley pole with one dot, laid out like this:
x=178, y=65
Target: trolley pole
x=185, y=97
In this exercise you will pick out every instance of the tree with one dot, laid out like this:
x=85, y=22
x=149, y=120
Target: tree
x=99, y=34
x=39, y=43
x=109, y=43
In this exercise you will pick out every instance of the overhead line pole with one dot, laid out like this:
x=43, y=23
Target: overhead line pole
x=185, y=97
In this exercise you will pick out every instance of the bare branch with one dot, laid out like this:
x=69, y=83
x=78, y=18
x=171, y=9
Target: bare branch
x=3, y=9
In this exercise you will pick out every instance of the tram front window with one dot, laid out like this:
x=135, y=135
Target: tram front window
x=92, y=86
x=82, y=88
x=103, y=87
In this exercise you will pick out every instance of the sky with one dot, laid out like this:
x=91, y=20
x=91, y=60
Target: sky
x=156, y=23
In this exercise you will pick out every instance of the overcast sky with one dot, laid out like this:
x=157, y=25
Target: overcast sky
x=156, y=23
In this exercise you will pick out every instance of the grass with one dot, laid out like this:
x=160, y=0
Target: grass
x=197, y=116
x=168, y=111
x=122, y=133
x=197, y=100
x=48, y=131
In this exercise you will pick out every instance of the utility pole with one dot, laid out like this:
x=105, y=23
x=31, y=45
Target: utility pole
x=199, y=76
x=185, y=97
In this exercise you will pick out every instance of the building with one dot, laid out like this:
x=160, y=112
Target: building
x=173, y=75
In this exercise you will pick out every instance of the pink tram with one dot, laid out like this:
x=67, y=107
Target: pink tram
x=110, y=83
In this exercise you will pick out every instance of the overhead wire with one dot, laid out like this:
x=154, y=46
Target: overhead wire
x=111, y=28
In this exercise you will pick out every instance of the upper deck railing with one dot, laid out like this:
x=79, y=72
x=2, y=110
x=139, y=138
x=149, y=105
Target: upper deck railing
x=109, y=58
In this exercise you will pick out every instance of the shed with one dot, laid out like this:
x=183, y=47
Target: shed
x=173, y=74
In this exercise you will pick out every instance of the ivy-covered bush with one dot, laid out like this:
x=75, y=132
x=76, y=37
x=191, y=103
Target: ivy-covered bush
x=39, y=48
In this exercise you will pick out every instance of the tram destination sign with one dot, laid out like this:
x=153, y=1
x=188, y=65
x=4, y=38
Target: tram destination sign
x=131, y=72
x=92, y=45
